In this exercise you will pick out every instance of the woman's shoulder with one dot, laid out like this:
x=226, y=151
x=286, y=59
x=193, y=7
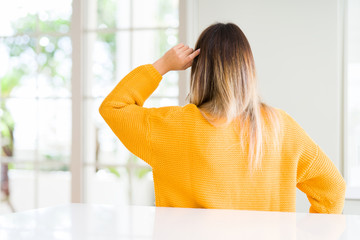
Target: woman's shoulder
x=290, y=126
x=282, y=114
x=286, y=122
x=286, y=117
x=174, y=112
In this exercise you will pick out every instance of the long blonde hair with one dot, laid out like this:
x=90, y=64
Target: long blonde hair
x=224, y=86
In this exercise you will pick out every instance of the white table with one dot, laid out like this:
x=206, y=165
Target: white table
x=83, y=221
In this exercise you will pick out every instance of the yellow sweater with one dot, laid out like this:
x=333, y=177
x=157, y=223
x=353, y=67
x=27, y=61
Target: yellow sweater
x=197, y=165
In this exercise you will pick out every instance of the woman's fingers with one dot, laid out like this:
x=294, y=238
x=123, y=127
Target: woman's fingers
x=179, y=57
x=194, y=54
x=188, y=51
x=180, y=45
x=184, y=47
x=190, y=58
x=188, y=65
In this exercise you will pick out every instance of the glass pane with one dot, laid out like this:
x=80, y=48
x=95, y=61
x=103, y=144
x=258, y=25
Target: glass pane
x=155, y=13
x=123, y=14
x=145, y=13
x=111, y=59
x=18, y=66
x=168, y=85
x=161, y=102
x=106, y=185
x=54, y=16
x=110, y=14
x=136, y=161
x=17, y=17
x=353, y=81
x=156, y=44
x=20, y=182
x=142, y=187
x=103, y=64
x=123, y=55
x=54, y=60
x=106, y=13
x=18, y=119
x=92, y=132
x=54, y=183
x=25, y=16
x=54, y=121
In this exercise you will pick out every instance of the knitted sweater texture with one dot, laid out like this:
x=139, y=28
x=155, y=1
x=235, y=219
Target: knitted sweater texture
x=198, y=165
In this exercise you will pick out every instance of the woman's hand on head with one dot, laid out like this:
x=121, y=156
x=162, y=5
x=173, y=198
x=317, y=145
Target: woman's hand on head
x=179, y=57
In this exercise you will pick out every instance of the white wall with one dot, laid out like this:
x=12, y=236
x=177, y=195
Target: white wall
x=297, y=49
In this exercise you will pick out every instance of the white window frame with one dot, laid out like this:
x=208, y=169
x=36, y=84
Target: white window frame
x=352, y=193
x=77, y=79
x=38, y=161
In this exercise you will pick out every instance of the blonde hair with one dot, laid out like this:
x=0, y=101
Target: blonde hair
x=224, y=86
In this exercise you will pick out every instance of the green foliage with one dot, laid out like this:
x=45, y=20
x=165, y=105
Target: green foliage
x=114, y=171
x=110, y=40
x=6, y=136
x=59, y=25
x=19, y=44
x=10, y=81
x=133, y=159
x=26, y=24
x=106, y=13
x=11, y=166
x=54, y=157
x=64, y=168
x=50, y=64
x=140, y=173
x=7, y=123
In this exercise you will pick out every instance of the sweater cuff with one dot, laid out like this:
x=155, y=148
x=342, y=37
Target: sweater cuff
x=156, y=76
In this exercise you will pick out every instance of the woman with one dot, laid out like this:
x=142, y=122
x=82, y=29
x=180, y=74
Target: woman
x=225, y=149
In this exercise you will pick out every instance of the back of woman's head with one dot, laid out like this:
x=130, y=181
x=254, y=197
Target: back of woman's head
x=223, y=84
x=223, y=76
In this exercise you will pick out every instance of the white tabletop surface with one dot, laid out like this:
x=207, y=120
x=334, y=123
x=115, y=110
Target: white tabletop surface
x=83, y=221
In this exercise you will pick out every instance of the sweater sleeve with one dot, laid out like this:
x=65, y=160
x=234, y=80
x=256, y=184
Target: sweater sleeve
x=322, y=183
x=317, y=176
x=123, y=110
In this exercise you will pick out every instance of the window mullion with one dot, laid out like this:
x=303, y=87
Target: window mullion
x=77, y=103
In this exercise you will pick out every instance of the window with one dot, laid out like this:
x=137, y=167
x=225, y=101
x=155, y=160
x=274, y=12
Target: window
x=39, y=90
x=35, y=103
x=352, y=99
x=119, y=36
